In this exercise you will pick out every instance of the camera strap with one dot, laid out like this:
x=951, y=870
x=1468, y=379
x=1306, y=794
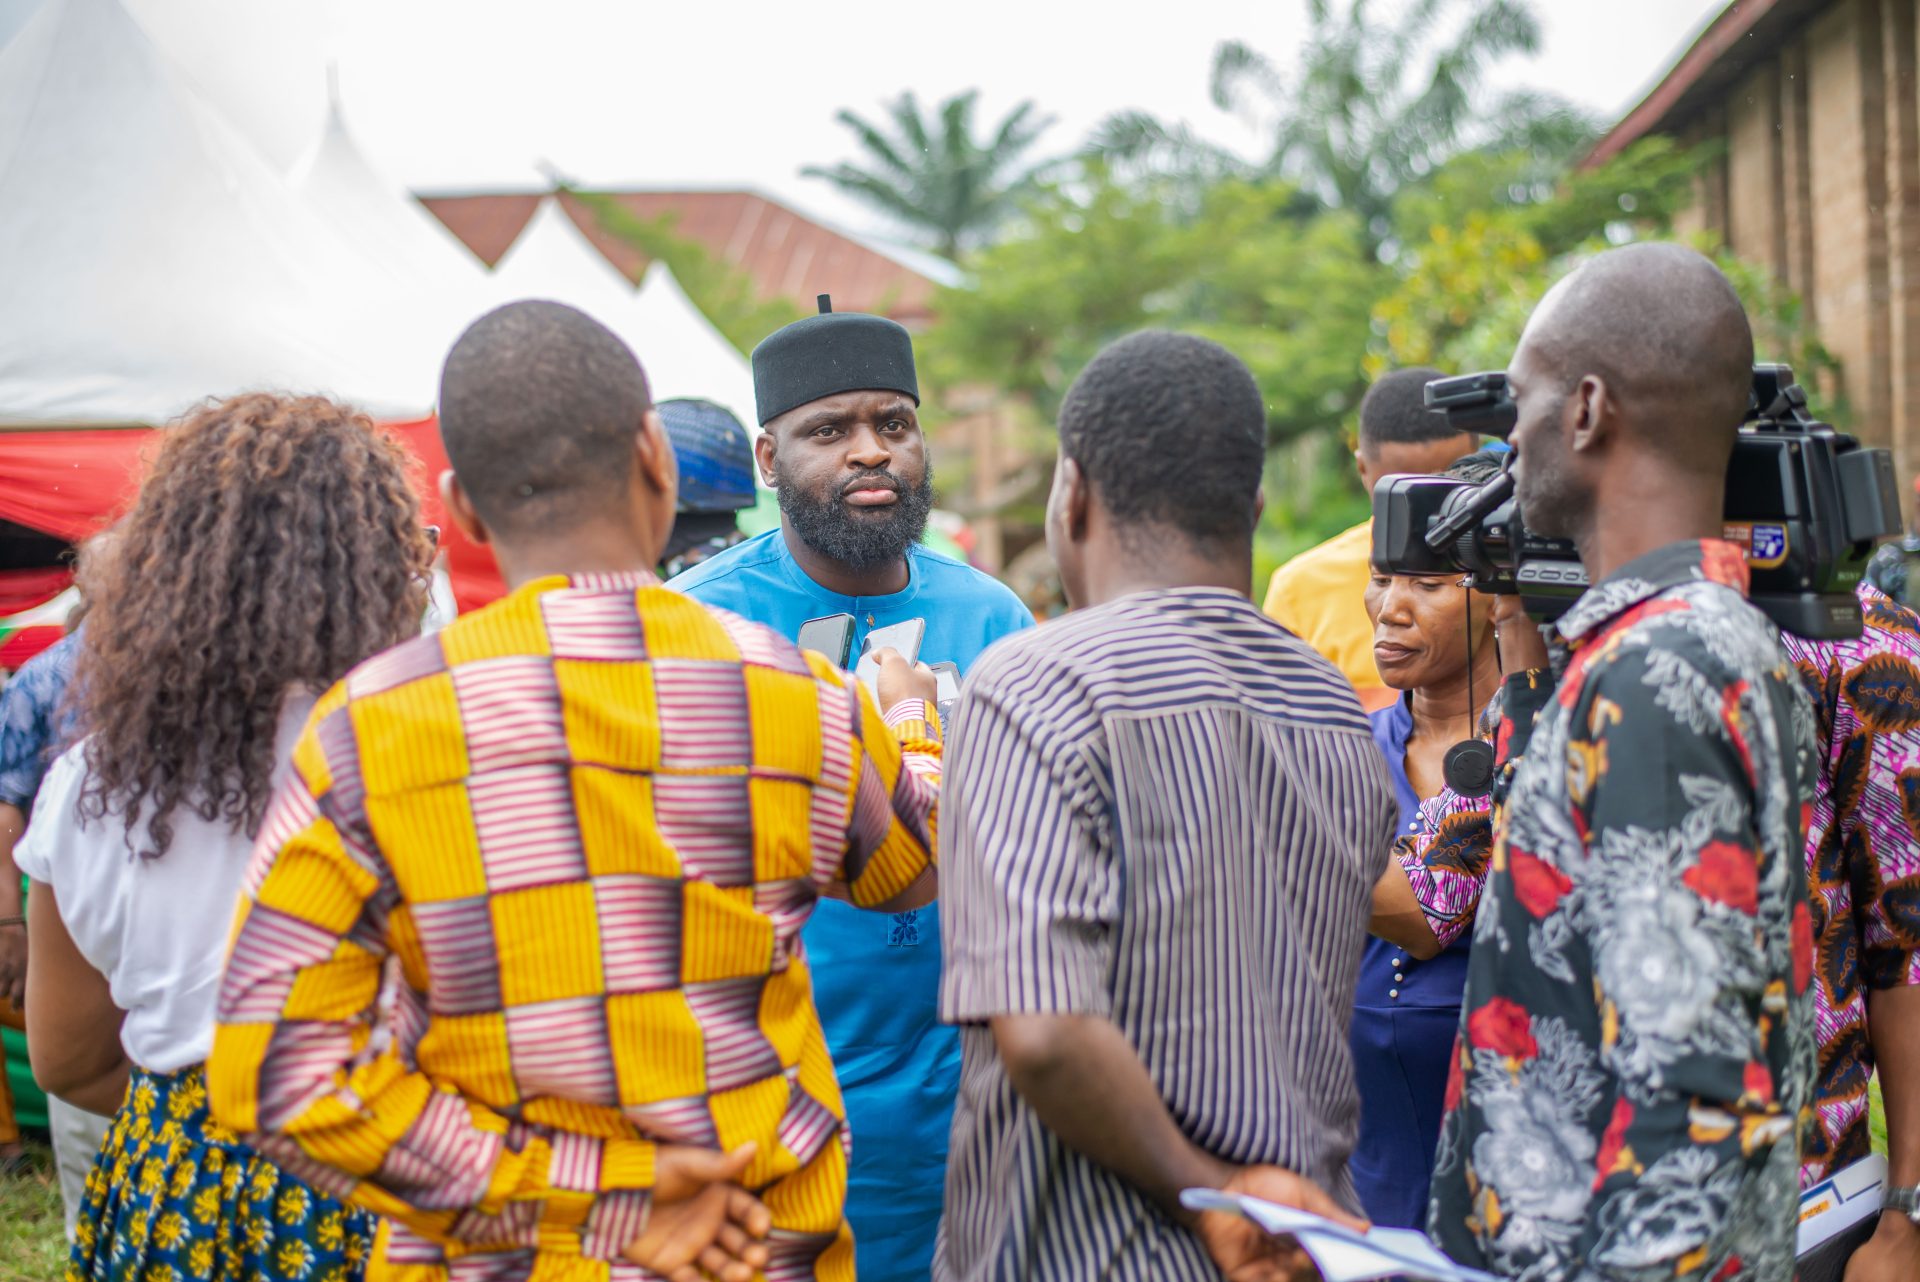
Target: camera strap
x=1468, y=765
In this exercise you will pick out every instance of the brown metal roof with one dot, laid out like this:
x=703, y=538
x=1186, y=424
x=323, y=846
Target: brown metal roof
x=786, y=254
x=1745, y=33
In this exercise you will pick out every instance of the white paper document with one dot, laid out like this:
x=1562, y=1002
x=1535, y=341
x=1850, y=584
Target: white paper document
x=1840, y=1201
x=1341, y=1254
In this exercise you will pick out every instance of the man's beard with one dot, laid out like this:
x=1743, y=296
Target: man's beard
x=859, y=543
x=1550, y=503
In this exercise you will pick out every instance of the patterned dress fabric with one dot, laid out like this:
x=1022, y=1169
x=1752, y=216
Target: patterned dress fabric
x=1637, y=1036
x=588, y=822
x=1863, y=857
x=175, y=1197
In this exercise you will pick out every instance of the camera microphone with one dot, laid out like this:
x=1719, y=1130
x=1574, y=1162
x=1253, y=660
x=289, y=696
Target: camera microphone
x=1468, y=767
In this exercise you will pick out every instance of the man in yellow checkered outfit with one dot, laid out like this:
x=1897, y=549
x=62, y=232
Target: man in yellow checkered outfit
x=519, y=962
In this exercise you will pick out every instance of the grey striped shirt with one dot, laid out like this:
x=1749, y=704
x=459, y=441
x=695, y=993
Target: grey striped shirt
x=1169, y=812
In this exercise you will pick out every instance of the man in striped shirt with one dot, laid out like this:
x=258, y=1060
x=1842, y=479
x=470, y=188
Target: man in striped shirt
x=1164, y=819
x=587, y=824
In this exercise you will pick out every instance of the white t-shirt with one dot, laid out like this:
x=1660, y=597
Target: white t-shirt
x=156, y=928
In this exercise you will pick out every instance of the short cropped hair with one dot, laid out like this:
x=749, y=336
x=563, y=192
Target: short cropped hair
x=539, y=404
x=1394, y=411
x=1170, y=430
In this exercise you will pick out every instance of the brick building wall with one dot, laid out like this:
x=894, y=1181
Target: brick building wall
x=1815, y=112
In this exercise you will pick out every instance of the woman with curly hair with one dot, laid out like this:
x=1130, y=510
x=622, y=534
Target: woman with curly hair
x=275, y=544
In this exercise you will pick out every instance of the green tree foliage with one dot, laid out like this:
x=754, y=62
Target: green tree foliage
x=723, y=293
x=1374, y=105
x=1475, y=245
x=1478, y=252
x=1100, y=258
x=931, y=175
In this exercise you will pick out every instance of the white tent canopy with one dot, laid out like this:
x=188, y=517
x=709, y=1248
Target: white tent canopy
x=553, y=259
x=684, y=355
x=446, y=285
x=152, y=258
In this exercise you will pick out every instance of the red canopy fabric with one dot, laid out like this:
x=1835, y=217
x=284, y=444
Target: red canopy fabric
x=24, y=644
x=71, y=484
x=74, y=483
x=24, y=589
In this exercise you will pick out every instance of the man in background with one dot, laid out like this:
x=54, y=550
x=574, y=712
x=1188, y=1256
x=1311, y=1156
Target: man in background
x=36, y=721
x=715, y=455
x=838, y=396
x=1637, y=1035
x=1317, y=595
x=1164, y=819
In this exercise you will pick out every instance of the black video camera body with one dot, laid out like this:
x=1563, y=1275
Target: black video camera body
x=1804, y=502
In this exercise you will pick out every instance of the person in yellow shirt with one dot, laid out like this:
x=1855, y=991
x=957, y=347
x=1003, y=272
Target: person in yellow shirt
x=1318, y=594
x=586, y=824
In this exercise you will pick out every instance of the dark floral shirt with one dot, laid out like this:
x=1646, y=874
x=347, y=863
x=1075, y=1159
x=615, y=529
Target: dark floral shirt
x=1863, y=858
x=1636, y=1049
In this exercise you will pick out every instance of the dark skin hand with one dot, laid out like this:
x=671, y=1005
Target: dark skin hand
x=1892, y=1254
x=1523, y=647
x=830, y=449
x=702, y=1223
x=1087, y=1085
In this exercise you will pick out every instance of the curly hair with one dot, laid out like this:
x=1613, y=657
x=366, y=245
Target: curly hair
x=275, y=544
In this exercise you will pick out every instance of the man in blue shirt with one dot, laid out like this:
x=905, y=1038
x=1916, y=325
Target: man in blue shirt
x=837, y=395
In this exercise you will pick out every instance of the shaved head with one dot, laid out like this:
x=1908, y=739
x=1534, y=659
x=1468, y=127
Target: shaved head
x=539, y=407
x=1661, y=325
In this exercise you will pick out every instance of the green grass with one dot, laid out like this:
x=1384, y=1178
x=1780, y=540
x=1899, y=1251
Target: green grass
x=33, y=1242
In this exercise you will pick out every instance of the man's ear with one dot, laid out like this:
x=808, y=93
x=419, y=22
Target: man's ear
x=1076, y=497
x=654, y=451
x=1594, y=413
x=763, y=451
x=1364, y=471
x=460, y=508
x=1259, y=504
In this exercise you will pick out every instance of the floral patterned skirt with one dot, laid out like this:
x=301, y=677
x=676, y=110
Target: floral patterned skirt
x=175, y=1197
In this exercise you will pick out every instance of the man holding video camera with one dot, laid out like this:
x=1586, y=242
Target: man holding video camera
x=1637, y=1044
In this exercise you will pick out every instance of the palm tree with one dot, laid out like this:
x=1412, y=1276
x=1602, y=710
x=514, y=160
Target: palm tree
x=1373, y=106
x=933, y=177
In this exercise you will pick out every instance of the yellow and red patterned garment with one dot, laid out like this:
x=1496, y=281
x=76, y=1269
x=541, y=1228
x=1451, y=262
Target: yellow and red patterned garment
x=587, y=822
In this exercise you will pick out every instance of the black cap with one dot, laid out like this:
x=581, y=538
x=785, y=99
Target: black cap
x=828, y=354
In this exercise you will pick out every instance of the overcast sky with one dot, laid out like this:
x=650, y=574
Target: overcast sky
x=475, y=94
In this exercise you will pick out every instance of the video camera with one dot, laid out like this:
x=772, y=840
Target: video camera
x=1804, y=502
